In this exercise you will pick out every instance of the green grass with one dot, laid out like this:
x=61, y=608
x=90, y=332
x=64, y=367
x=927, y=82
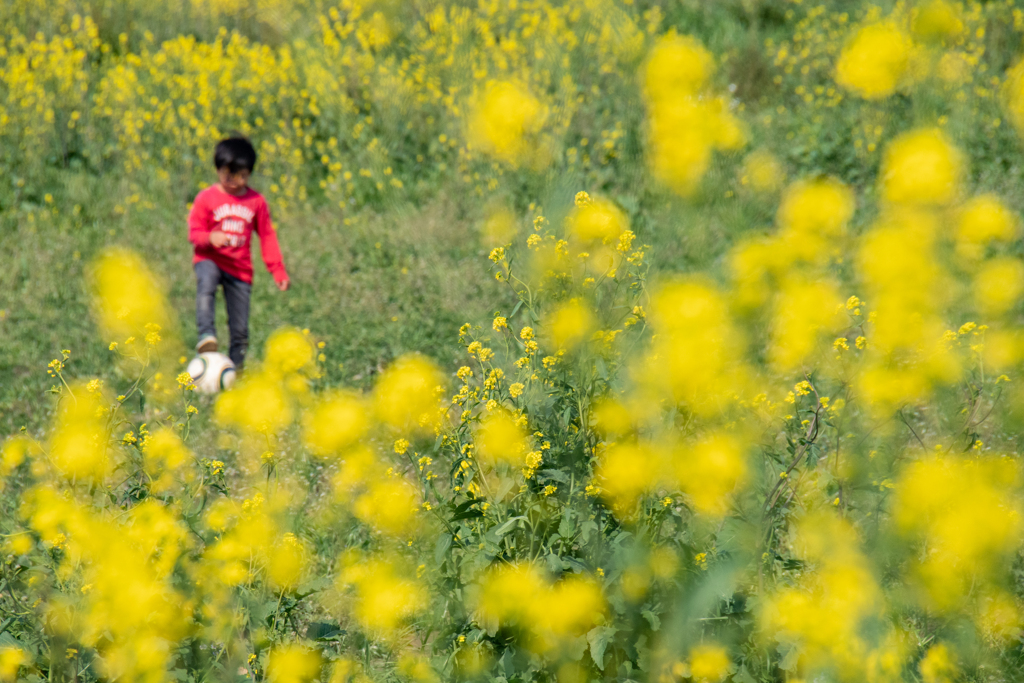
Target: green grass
x=388, y=284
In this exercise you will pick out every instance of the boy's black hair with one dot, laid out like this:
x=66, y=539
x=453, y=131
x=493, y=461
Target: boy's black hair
x=235, y=153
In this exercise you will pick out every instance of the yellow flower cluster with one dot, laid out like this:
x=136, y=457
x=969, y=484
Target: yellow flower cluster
x=686, y=123
x=478, y=80
x=549, y=614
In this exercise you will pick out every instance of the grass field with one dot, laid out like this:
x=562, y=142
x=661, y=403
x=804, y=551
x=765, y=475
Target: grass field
x=668, y=342
x=372, y=282
x=372, y=290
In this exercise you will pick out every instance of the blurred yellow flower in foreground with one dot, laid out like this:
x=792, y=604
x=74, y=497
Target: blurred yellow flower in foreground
x=627, y=472
x=127, y=297
x=709, y=663
x=337, y=421
x=998, y=285
x=677, y=64
x=570, y=324
x=710, y=471
x=762, y=171
x=805, y=311
x=984, y=219
x=286, y=564
x=938, y=665
x=922, y=167
x=288, y=350
x=11, y=659
x=406, y=394
x=549, y=614
x=967, y=513
x=78, y=447
x=293, y=663
x=164, y=456
x=937, y=20
x=816, y=208
x=598, y=221
x=258, y=404
x=685, y=124
x=505, y=122
x=500, y=440
x=875, y=62
x=837, y=595
x=383, y=597
x=388, y=505
x=696, y=353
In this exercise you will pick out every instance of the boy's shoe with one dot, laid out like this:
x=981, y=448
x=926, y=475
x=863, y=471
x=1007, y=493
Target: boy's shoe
x=207, y=344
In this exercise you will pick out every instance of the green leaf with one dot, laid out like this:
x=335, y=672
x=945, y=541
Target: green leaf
x=575, y=564
x=599, y=638
x=574, y=648
x=467, y=514
x=557, y=475
x=444, y=543
x=643, y=654
x=791, y=660
x=565, y=525
x=462, y=507
x=313, y=586
x=504, y=486
x=510, y=525
x=652, y=619
x=743, y=676
x=322, y=630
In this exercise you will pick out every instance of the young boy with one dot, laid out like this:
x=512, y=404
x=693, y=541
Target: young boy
x=220, y=225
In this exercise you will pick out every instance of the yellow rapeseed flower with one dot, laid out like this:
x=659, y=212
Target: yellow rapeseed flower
x=383, y=597
x=506, y=121
x=874, y=63
x=937, y=20
x=570, y=324
x=762, y=171
x=598, y=221
x=405, y=395
x=288, y=350
x=258, y=404
x=11, y=660
x=710, y=471
x=127, y=295
x=984, y=219
x=500, y=440
x=677, y=64
x=922, y=167
x=627, y=472
x=709, y=663
x=998, y=285
x=336, y=421
x=293, y=663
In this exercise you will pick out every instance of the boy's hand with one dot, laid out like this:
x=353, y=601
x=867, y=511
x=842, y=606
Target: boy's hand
x=218, y=238
x=283, y=284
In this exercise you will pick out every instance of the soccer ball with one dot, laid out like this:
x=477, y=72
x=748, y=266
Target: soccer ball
x=211, y=372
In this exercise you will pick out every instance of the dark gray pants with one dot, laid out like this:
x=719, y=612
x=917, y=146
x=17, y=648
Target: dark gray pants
x=236, y=301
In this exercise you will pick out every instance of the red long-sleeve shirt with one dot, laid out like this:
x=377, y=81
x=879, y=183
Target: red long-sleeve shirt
x=237, y=217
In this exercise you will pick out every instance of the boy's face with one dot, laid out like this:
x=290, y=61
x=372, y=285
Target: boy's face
x=233, y=183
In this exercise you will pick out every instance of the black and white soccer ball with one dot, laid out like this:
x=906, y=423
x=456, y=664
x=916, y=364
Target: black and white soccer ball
x=211, y=372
